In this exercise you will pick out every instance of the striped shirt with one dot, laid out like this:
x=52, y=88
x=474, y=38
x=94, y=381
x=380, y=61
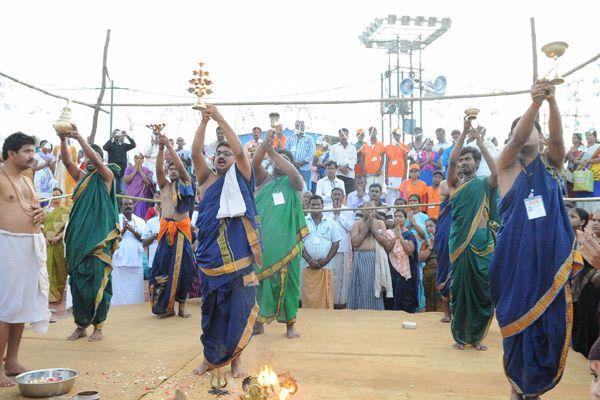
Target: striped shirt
x=320, y=239
x=303, y=149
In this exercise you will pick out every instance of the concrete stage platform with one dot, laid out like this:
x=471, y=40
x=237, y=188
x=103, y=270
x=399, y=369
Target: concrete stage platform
x=340, y=355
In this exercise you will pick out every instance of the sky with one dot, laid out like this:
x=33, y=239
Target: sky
x=281, y=50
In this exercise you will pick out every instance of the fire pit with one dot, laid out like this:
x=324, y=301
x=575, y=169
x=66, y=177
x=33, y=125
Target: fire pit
x=268, y=385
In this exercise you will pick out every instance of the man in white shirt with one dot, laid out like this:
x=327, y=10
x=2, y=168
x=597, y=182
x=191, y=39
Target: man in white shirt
x=128, y=270
x=442, y=143
x=320, y=246
x=341, y=261
x=327, y=184
x=344, y=154
x=150, y=235
x=483, y=169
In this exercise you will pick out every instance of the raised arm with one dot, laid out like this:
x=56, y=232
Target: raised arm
x=201, y=169
x=287, y=168
x=556, y=144
x=131, y=145
x=493, y=179
x=524, y=127
x=65, y=157
x=160, y=162
x=260, y=173
x=453, y=180
x=177, y=162
x=107, y=175
x=241, y=159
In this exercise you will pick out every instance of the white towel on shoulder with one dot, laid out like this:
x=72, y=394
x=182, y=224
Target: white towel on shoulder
x=231, y=203
x=383, y=278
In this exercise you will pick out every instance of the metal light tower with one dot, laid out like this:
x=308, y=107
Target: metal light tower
x=404, y=35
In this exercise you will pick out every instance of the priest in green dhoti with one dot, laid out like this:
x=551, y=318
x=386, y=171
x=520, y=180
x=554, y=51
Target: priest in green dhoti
x=472, y=239
x=282, y=227
x=91, y=236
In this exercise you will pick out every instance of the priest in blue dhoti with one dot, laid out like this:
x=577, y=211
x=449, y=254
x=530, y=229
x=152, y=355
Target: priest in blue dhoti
x=534, y=258
x=228, y=246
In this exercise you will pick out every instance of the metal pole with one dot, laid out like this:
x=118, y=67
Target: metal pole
x=397, y=84
x=381, y=105
x=112, y=93
x=389, y=91
x=420, y=86
x=411, y=75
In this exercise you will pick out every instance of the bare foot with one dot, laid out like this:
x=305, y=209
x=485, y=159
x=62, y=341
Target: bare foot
x=166, y=315
x=446, y=319
x=458, y=346
x=182, y=313
x=259, y=328
x=13, y=368
x=203, y=368
x=5, y=381
x=78, y=333
x=237, y=371
x=292, y=333
x=514, y=395
x=480, y=347
x=96, y=335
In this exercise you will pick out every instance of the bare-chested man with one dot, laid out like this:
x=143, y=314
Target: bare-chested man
x=24, y=279
x=94, y=219
x=228, y=245
x=173, y=268
x=366, y=235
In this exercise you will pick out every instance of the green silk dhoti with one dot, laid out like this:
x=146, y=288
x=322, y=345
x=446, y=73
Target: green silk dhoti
x=91, y=237
x=471, y=247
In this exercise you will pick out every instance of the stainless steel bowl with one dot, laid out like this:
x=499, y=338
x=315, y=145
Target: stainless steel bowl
x=50, y=389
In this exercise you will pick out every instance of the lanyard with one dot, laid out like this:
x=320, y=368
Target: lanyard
x=528, y=176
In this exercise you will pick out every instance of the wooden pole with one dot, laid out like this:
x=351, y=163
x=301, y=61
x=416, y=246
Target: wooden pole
x=534, y=49
x=102, y=88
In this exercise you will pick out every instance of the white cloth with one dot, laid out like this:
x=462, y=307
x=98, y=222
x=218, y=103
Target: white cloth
x=590, y=151
x=484, y=169
x=231, y=203
x=438, y=146
x=392, y=192
x=383, y=278
x=324, y=188
x=152, y=228
x=128, y=270
x=150, y=160
x=342, y=273
x=24, y=281
x=344, y=156
x=130, y=251
x=344, y=223
x=127, y=285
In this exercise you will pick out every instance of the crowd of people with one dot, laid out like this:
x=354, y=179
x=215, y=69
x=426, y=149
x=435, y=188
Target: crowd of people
x=261, y=229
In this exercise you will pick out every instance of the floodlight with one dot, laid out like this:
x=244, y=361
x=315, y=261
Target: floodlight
x=419, y=21
x=431, y=21
x=391, y=19
x=405, y=20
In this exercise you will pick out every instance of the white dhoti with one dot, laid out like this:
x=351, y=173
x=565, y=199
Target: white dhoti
x=342, y=271
x=127, y=285
x=24, y=281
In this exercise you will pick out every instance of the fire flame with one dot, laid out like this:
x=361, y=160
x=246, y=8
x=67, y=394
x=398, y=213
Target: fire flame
x=284, y=393
x=267, y=377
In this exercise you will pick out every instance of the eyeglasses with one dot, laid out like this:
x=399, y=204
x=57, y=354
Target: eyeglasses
x=224, y=153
